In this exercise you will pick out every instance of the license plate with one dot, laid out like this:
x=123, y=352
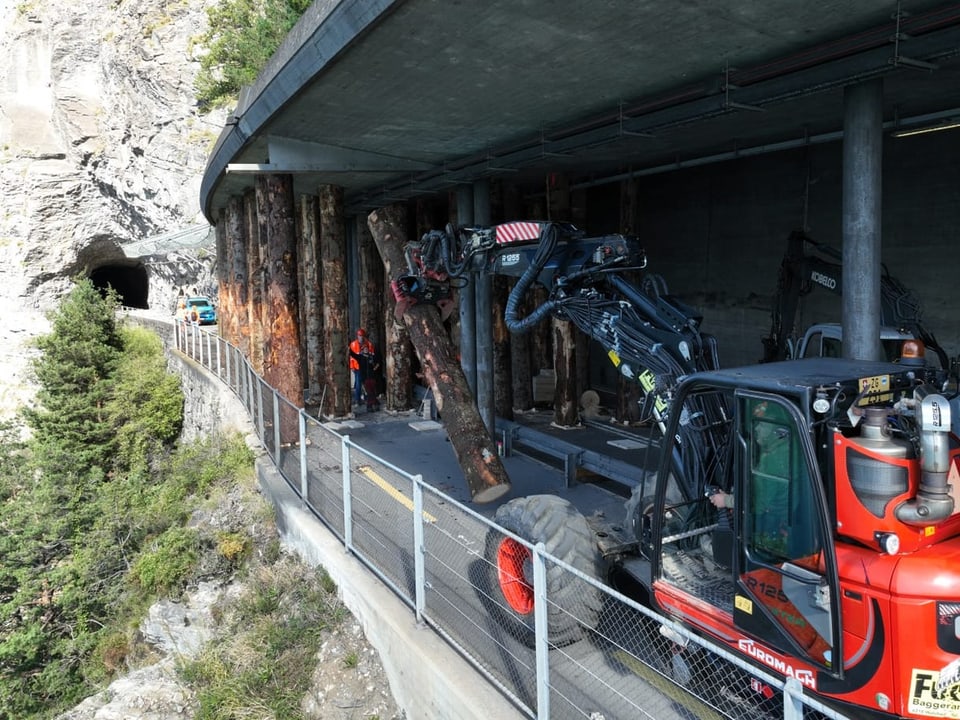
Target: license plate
x=877, y=388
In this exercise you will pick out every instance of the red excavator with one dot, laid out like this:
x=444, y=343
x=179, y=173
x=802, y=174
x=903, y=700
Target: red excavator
x=835, y=559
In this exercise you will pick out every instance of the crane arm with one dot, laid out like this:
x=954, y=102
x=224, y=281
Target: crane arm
x=650, y=336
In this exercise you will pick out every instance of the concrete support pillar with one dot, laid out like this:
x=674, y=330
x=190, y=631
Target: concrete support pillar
x=468, y=305
x=483, y=297
x=862, y=167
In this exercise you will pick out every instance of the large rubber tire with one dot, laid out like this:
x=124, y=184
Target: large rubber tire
x=566, y=536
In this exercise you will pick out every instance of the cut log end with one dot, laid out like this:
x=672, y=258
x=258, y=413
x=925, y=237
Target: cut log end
x=491, y=493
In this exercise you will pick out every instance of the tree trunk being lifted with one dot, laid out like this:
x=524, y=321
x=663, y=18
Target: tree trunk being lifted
x=486, y=477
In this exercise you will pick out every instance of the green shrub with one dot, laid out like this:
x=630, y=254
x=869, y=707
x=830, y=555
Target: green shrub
x=241, y=37
x=146, y=405
x=167, y=562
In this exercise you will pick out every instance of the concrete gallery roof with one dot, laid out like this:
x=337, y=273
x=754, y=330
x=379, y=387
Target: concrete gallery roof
x=393, y=99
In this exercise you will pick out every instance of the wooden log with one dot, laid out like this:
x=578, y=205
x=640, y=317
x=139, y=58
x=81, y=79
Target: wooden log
x=237, y=323
x=397, y=349
x=338, y=400
x=223, y=262
x=311, y=299
x=475, y=451
x=283, y=361
x=255, y=275
x=371, y=283
x=565, y=363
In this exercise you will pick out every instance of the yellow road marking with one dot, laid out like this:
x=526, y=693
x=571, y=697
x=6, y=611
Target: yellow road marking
x=676, y=693
x=390, y=490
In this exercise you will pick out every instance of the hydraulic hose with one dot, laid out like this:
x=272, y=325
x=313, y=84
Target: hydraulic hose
x=545, y=250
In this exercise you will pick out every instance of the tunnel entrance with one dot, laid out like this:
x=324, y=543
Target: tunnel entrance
x=130, y=282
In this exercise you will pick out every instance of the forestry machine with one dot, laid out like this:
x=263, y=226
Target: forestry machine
x=835, y=557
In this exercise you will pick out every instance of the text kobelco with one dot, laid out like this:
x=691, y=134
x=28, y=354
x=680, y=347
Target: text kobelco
x=804, y=677
x=828, y=282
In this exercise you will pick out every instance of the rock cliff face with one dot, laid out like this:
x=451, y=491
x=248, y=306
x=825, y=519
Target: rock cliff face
x=101, y=142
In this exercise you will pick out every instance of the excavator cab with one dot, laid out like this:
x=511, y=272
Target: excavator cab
x=765, y=565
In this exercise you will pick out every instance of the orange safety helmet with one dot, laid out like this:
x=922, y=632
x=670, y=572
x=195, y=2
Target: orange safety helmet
x=361, y=332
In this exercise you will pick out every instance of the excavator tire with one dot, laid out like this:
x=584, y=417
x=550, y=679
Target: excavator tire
x=573, y=604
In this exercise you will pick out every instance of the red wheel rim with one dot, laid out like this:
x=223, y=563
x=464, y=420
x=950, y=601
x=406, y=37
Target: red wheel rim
x=511, y=557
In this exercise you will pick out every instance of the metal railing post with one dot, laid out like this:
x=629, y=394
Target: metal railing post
x=261, y=428
x=541, y=632
x=347, y=503
x=276, y=425
x=244, y=388
x=227, y=354
x=302, y=416
x=792, y=700
x=419, y=550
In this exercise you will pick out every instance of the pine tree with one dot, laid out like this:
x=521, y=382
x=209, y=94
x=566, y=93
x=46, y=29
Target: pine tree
x=75, y=377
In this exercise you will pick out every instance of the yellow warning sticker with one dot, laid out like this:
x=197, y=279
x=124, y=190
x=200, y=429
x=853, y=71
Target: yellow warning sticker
x=927, y=699
x=744, y=604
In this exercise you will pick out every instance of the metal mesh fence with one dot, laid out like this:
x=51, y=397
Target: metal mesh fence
x=324, y=476
x=521, y=601
x=381, y=506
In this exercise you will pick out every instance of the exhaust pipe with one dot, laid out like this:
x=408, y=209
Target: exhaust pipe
x=933, y=503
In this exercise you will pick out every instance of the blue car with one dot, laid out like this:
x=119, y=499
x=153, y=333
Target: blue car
x=205, y=311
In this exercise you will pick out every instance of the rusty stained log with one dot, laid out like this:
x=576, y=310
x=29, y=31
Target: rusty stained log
x=338, y=398
x=282, y=361
x=236, y=273
x=255, y=282
x=240, y=272
x=565, y=364
x=475, y=451
x=397, y=349
x=311, y=298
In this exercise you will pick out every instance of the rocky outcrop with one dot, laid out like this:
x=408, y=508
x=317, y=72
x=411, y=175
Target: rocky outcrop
x=101, y=141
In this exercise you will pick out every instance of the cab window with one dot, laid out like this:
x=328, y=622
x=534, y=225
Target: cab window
x=779, y=490
x=812, y=348
x=782, y=578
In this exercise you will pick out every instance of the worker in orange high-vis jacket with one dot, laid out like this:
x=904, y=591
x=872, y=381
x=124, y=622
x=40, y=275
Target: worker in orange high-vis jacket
x=362, y=363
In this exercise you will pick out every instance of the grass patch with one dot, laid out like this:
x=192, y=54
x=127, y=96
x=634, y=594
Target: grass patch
x=264, y=660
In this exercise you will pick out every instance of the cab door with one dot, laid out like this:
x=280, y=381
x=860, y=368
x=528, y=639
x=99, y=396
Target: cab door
x=785, y=571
